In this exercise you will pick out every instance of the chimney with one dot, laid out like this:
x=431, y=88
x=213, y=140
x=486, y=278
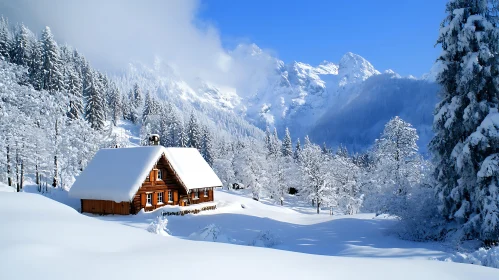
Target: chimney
x=153, y=139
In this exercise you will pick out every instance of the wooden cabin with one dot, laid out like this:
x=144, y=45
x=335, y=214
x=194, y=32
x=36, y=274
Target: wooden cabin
x=125, y=180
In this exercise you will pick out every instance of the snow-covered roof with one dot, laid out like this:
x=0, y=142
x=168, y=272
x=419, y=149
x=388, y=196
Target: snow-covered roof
x=117, y=174
x=191, y=168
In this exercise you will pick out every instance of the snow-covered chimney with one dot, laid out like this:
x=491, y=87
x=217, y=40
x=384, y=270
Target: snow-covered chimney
x=154, y=139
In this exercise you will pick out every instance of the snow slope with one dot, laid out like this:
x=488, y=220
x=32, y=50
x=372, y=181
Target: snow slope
x=56, y=242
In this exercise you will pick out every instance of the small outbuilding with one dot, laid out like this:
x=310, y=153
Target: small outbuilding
x=125, y=180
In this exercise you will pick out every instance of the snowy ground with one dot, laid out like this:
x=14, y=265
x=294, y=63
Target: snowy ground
x=5, y=188
x=57, y=242
x=298, y=229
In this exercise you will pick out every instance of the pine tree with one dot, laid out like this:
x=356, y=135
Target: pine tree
x=297, y=152
x=307, y=141
x=207, y=147
x=193, y=133
x=137, y=96
x=287, y=146
x=75, y=91
x=148, y=107
x=470, y=59
x=5, y=39
x=94, y=110
x=21, y=50
x=36, y=65
x=103, y=87
x=176, y=132
x=342, y=151
x=268, y=140
x=325, y=149
x=183, y=140
x=115, y=104
x=135, y=103
x=52, y=78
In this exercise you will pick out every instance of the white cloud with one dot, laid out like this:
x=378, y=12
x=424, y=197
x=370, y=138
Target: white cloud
x=112, y=33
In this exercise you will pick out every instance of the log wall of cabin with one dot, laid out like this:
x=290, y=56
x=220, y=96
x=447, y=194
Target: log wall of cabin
x=167, y=183
x=105, y=207
x=202, y=198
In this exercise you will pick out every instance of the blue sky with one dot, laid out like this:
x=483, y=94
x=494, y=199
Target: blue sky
x=391, y=34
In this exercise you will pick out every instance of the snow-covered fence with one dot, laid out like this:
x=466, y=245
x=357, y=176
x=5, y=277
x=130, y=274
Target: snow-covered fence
x=184, y=210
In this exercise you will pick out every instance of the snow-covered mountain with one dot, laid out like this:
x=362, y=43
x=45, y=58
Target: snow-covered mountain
x=317, y=100
x=297, y=94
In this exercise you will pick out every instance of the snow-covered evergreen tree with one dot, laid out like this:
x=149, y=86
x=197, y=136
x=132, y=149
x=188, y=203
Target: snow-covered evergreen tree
x=193, y=133
x=462, y=147
x=297, y=152
x=36, y=64
x=52, y=77
x=5, y=39
x=74, y=89
x=207, y=147
x=287, y=146
x=183, y=140
x=115, y=104
x=21, y=51
x=134, y=103
x=94, y=107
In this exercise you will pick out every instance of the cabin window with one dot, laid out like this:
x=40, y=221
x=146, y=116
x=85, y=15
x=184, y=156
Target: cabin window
x=160, y=174
x=205, y=193
x=149, y=199
x=196, y=194
x=170, y=196
x=160, y=197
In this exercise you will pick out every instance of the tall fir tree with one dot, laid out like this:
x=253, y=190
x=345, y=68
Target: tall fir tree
x=115, y=104
x=35, y=66
x=75, y=91
x=5, y=39
x=94, y=110
x=207, y=146
x=462, y=143
x=287, y=146
x=52, y=77
x=148, y=107
x=21, y=50
x=183, y=140
x=297, y=152
x=268, y=140
x=135, y=103
x=193, y=133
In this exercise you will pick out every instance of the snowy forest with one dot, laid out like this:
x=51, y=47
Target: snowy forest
x=56, y=111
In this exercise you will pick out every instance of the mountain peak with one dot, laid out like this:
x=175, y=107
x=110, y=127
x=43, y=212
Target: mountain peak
x=354, y=68
x=327, y=67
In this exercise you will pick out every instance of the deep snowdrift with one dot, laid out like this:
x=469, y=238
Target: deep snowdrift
x=44, y=239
